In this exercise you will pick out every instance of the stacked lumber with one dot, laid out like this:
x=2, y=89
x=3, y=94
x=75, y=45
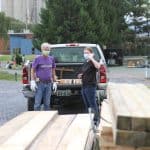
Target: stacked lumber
x=129, y=124
x=135, y=62
x=106, y=132
x=46, y=130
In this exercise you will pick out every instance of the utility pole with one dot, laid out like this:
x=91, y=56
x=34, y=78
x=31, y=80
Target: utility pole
x=27, y=14
x=34, y=11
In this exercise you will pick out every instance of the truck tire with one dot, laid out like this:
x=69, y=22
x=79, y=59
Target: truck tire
x=30, y=104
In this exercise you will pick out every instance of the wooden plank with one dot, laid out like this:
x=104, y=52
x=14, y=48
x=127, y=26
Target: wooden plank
x=106, y=141
x=106, y=136
x=135, y=92
x=124, y=148
x=77, y=134
x=11, y=147
x=133, y=103
x=138, y=62
x=15, y=124
x=132, y=138
x=118, y=148
x=131, y=98
x=54, y=133
x=142, y=94
x=143, y=97
x=119, y=110
x=27, y=134
x=106, y=119
x=136, y=132
x=143, y=148
x=118, y=103
x=140, y=112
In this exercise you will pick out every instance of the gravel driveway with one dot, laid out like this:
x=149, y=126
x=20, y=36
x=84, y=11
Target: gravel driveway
x=129, y=75
x=12, y=102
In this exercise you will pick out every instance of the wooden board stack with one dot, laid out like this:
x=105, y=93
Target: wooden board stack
x=46, y=130
x=129, y=124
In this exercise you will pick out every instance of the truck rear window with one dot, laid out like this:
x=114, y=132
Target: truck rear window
x=71, y=54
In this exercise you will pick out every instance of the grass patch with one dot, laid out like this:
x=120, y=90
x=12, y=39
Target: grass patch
x=5, y=57
x=9, y=57
x=6, y=76
x=30, y=57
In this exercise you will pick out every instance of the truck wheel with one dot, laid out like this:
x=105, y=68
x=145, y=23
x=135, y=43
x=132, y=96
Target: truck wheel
x=30, y=104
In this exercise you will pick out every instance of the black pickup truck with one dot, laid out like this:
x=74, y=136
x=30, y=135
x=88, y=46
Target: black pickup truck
x=113, y=56
x=69, y=59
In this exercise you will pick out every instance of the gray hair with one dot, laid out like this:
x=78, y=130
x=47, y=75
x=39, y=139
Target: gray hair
x=45, y=46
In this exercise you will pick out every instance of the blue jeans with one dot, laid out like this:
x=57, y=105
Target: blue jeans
x=43, y=91
x=89, y=98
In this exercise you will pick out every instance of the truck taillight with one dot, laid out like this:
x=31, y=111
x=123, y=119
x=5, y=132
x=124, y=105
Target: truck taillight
x=102, y=71
x=25, y=76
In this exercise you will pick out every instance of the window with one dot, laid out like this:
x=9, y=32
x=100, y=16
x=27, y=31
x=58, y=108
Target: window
x=71, y=54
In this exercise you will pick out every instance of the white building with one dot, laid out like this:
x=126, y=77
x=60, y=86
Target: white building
x=24, y=10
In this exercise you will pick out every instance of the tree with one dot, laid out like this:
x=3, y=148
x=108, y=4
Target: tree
x=8, y=23
x=65, y=21
x=15, y=25
x=139, y=21
x=4, y=25
x=97, y=21
x=110, y=21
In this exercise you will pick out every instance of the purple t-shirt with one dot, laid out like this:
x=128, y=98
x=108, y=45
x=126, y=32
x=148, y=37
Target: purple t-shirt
x=43, y=67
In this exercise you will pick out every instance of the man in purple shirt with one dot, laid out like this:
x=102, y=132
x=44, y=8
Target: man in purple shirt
x=43, y=77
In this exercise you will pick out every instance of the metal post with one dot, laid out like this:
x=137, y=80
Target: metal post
x=146, y=68
x=15, y=76
x=27, y=14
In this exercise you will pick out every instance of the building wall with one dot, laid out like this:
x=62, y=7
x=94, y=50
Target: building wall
x=24, y=10
x=21, y=43
x=4, y=46
x=7, y=7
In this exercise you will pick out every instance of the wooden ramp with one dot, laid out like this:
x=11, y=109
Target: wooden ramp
x=46, y=130
x=129, y=106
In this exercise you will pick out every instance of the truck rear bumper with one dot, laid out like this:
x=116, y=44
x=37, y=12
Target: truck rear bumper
x=101, y=88
x=28, y=93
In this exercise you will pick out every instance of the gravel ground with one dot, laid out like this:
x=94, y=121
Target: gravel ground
x=129, y=75
x=12, y=101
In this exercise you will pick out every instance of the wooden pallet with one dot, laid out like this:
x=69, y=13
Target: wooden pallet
x=46, y=130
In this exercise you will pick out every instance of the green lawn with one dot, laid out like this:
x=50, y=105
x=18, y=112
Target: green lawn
x=8, y=57
x=30, y=57
x=5, y=58
x=7, y=76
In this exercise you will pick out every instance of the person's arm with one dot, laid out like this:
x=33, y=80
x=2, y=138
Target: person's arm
x=95, y=63
x=33, y=76
x=54, y=85
x=33, y=84
x=33, y=70
x=53, y=75
x=53, y=71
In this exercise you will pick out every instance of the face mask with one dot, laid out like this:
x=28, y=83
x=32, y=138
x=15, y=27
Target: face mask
x=86, y=56
x=45, y=53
